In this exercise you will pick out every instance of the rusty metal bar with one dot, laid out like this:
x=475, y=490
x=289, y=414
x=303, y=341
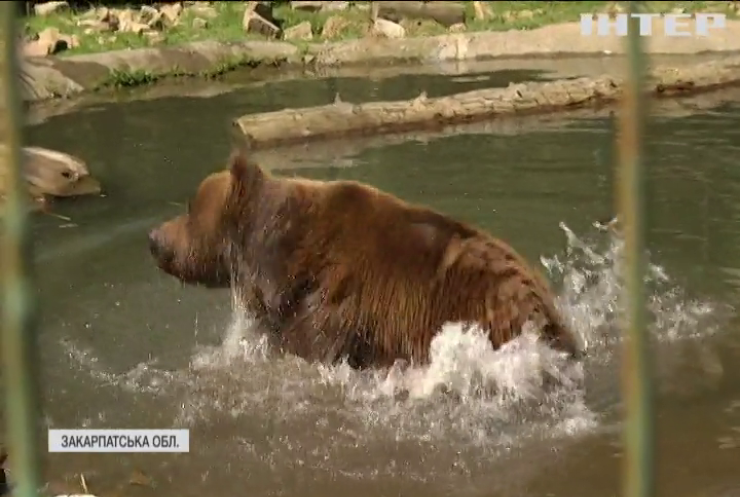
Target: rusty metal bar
x=638, y=477
x=18, y=332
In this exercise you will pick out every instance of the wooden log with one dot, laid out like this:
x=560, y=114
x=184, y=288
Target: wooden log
x=346, y=153
x=342, y=119
x=445, y=13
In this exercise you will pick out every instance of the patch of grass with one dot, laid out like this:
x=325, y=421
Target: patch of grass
x=229, y=65
x=224, y=26
x=224, y=22
x=130, y=79
x=127, y=79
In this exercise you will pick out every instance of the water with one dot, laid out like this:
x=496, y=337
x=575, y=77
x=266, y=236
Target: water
x=126, y=346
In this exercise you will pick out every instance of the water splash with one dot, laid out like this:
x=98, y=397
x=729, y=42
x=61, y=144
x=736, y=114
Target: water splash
x=469, y=393
x=591, y=294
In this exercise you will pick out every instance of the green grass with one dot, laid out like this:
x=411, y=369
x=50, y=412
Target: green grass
x=130, y=79
x=226, y=25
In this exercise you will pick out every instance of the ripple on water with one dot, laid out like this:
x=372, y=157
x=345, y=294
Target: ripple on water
x=240, y=381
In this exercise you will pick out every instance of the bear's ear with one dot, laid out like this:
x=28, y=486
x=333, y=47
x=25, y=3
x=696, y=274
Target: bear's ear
x=243, y=169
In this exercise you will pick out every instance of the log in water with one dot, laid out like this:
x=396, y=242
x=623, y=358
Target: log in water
x=342, y=119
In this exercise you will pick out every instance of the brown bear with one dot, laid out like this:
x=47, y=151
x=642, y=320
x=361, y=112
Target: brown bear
x=335, y=270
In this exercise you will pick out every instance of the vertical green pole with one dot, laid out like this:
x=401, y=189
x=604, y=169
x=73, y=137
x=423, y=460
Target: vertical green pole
x=636, y=373
x=18, y=326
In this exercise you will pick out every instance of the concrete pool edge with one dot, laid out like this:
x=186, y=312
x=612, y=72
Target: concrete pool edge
x=47, y=78
x=342, y=119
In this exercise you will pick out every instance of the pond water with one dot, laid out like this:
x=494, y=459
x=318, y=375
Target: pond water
x=123, y=345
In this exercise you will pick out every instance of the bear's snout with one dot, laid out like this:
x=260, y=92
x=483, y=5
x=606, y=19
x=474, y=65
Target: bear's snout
x=157, y=245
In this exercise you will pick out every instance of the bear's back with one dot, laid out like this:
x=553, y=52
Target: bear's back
x=406, y=270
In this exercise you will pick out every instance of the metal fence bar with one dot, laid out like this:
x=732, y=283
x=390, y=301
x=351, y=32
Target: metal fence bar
x=639, y=479
x=18, y=330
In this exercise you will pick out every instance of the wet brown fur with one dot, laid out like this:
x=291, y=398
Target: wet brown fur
x=340, y=269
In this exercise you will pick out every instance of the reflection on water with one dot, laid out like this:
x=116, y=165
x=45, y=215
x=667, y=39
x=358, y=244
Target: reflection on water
x=125, y=346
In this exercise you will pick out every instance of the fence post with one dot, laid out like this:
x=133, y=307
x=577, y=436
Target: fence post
x=636, y=371
x=18, y=332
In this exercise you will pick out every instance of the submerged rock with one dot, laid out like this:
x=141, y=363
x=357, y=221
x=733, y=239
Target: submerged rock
x=50, y=173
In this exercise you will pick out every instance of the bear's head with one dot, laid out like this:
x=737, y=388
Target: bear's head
x=195, y=247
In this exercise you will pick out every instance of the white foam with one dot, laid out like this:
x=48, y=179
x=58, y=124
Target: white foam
x=468, y=392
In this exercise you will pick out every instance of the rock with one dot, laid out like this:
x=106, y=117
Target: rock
x=202, y=9
x=388, y=29
x=153, y=18
x=134, y=27
x=525, y=14
x=107, y=16
x=265, y=10
x=300, y=31
x=49, y=42
x=482, y=12
x=457, y=28
x=145, y=19
x=172, y=12
x=157, y=23
x=444, y=13
x=254, y=22
x=57, y=174
x=100, y=13
x=34, y=48
x=48, y=8
x=335, y=6
x=200, y=23
x=94, y=26
x=307, y=6
x=334, y=27
x=147, y=13
x=319, y=6
x=124, y=19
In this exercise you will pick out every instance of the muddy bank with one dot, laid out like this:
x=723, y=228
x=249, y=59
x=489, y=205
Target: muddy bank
x=54, y=77
x=342, y=119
